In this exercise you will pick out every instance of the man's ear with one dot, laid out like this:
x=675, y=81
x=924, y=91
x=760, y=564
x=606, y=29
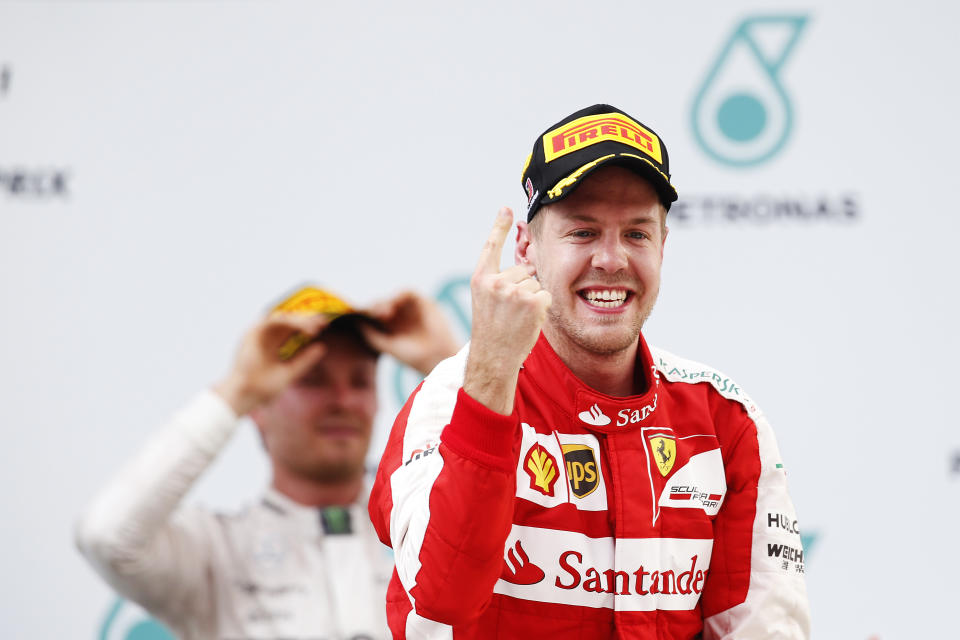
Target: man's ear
x=521, y=252
x=666, y=230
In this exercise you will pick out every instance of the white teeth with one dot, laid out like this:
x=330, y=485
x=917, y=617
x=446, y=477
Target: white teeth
x=606, y=298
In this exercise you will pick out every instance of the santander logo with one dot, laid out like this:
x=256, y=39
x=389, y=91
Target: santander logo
x=594, y=416
x=626, y=574
x=518, y=569
x=629, y=416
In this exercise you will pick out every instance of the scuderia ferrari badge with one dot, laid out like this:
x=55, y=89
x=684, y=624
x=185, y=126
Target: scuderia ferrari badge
x=664, y=453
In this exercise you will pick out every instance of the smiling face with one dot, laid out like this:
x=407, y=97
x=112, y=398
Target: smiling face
x=598, y=252
x=319, y=428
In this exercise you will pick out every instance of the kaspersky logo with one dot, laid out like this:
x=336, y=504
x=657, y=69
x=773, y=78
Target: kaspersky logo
x=742, y=115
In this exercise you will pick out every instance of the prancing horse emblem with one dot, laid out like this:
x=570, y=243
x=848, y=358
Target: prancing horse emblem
x=664, y=453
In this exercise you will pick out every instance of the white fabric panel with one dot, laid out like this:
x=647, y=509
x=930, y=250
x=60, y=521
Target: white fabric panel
x=411, y=483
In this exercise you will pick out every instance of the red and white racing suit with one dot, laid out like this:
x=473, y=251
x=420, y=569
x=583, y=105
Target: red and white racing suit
x=582, y=515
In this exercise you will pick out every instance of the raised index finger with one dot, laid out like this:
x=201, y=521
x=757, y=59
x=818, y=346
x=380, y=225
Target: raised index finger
x=493, y=249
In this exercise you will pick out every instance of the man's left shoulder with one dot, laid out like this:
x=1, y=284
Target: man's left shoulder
x=674, y=368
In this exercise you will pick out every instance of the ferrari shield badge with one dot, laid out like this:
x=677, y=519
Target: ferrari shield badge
x=664, y=450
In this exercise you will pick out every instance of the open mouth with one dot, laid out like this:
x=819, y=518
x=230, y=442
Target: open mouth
x=606, y=298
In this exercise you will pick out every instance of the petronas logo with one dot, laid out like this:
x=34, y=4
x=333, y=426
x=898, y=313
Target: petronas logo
x=742, y=114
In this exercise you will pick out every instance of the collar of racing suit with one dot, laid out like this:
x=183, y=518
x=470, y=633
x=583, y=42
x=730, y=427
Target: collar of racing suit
x=594, y=410
x=314, y=518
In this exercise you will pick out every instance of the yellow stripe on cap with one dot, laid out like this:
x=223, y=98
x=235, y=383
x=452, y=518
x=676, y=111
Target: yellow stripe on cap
x=526, y=165
x=558, y=188
x=655, y=167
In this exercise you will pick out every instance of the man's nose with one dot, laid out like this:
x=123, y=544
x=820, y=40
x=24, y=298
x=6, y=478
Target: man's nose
x=609, y=254
x=341, y=394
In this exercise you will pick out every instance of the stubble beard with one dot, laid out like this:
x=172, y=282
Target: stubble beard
x=595, y=338
x=336, y=464
x=329, y=473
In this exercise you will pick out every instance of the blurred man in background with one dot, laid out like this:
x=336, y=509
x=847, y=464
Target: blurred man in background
x=303, y=561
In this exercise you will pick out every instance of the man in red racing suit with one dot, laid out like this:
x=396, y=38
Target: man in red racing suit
x=595, y=488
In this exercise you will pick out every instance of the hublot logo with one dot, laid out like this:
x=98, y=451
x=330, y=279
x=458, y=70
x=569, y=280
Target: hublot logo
x=780, y=521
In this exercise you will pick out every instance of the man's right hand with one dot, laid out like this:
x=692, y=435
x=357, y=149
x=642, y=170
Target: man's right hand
x=509, y=308
x=260, y=371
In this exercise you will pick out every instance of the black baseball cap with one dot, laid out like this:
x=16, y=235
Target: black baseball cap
x=600, y=135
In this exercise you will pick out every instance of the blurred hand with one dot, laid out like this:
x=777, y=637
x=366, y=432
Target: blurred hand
x=509, y=308
x=415, y=331
x=267, y=361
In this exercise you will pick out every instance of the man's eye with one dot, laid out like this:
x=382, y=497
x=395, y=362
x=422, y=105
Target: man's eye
x=637, y=235
x=362, y=383
x=582, y=233
x=314, y=379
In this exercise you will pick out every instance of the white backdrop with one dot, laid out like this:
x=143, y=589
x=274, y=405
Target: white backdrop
x=168, y=168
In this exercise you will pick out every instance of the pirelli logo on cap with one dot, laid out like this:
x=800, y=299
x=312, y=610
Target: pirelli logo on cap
x=583, y=132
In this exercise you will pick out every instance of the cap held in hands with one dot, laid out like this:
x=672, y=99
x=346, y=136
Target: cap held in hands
x=310, y=300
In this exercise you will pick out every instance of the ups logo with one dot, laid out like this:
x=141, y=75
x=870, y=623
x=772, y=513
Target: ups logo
x=582, y=470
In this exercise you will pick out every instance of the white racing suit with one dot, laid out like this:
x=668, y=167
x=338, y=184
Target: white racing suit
x=268, y=572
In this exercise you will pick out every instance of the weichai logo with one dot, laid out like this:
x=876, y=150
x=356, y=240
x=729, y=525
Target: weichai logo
x=589, y=130
x=784, y=551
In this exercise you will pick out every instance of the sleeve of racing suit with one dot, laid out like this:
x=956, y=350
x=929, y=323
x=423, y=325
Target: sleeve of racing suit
x=129, y=533
x=756, y=587
x=443, y=498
